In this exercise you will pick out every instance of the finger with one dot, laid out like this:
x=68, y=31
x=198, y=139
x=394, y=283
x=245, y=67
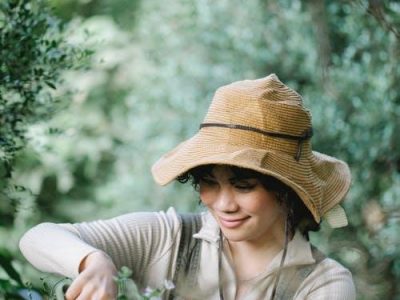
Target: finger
x=105, y=294
x=91, y=293
x=74, y=289
x=88, y=293
x=106, y=290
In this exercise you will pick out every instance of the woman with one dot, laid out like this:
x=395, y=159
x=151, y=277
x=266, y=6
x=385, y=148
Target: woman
x=264, y=189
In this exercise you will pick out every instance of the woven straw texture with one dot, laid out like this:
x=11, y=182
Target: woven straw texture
x=266, y=104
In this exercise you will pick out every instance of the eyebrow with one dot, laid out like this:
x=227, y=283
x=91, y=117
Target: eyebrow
x=235, y=179
x=207, y=176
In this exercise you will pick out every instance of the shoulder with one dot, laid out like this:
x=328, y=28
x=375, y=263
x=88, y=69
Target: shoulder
x=329, y=280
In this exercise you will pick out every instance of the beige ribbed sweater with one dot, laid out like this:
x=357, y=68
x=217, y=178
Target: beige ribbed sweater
x=148, y=244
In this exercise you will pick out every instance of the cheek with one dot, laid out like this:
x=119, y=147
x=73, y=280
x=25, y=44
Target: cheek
x=261, y=203
x=205, y=196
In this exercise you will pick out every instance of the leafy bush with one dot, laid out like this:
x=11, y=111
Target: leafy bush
x=149, y=86
x=33, y=54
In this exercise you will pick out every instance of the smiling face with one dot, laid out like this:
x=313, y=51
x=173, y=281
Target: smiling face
x=244, y=209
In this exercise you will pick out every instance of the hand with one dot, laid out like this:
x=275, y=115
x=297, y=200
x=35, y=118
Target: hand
x=95, y=280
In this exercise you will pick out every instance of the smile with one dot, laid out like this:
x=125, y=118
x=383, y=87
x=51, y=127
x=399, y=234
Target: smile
x=232, y=223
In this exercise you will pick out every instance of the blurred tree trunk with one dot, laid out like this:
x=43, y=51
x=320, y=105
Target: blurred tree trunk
x=376, y=9
x=321, y=28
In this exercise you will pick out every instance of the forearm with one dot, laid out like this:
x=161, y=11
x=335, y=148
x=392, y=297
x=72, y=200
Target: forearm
x=134, y=240
x=55, y=248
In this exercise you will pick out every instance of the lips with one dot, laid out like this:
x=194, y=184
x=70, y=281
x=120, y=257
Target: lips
x=232, y=223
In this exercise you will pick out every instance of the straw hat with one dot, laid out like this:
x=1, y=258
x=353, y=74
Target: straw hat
x=262, y=125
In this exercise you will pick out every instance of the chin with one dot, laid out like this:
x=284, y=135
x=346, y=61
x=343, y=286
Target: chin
x=235, y=236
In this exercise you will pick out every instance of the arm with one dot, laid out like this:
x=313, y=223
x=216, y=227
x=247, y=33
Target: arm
x=134, y=240
x=59, y=249
x=55, y=248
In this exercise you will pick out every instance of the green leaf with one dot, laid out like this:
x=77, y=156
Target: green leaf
x=50, y=84
x=5, y=263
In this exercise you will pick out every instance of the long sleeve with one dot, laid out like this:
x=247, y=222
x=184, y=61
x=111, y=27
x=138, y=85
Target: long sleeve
x=136, y=240
x=55, y=248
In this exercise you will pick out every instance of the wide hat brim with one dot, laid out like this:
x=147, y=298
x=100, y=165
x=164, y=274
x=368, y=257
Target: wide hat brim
x=321, y=181
x=263, y=125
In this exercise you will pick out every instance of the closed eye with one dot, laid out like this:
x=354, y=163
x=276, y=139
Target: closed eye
x=208, y=181
x=244, y=184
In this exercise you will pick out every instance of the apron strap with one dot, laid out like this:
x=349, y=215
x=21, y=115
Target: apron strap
x=188, y=259
x=288, y=287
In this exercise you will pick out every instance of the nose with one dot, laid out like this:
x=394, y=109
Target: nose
x=225, y=201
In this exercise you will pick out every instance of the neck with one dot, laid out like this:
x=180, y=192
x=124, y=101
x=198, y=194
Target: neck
x=252, y=257
x=273, y=243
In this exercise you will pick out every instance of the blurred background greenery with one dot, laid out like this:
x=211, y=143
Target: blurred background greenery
x=123, y=81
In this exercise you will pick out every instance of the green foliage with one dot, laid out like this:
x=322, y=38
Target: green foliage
x=128, y=290
x=9, y=287
x=12, y=287
x=123, y=12
x=149, y=86
x=33, y=53
x=5, y=262
x=357, y=114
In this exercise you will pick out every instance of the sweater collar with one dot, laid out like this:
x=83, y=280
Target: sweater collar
x=210, y=229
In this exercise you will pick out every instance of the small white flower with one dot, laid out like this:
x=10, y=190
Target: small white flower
x=147, y=291
x=168, y=284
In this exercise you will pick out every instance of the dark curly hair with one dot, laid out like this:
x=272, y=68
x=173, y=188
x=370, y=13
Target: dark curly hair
x=299, y=217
